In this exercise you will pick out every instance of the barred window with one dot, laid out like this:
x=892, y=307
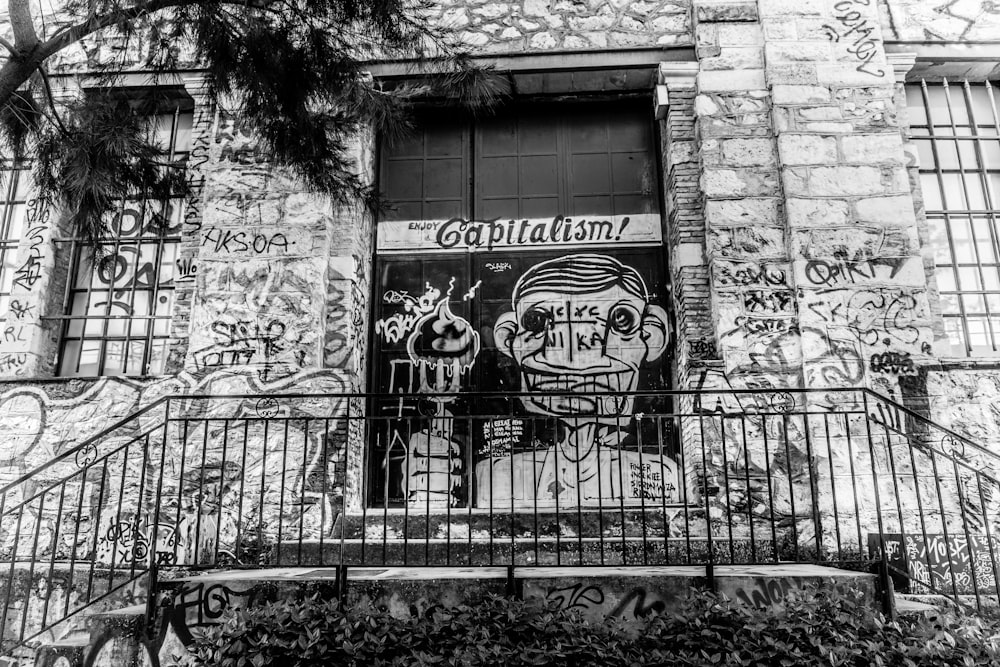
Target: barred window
x=956, y=127
x=13, y=189
x=120, y=295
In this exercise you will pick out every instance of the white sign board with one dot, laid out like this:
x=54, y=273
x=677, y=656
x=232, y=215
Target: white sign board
x=458, y=234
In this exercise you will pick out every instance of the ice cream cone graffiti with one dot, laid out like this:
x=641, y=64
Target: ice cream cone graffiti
x=443, y=347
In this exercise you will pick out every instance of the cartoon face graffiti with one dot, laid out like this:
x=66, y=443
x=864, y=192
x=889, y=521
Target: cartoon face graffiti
x=581, y=325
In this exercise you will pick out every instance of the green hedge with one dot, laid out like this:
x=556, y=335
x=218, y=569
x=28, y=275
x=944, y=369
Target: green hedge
x=818, y=628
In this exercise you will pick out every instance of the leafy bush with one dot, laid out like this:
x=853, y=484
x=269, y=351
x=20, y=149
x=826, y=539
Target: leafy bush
x=813, y=628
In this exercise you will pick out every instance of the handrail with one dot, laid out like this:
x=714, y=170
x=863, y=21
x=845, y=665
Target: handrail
x=73, y=451
x=204, y=485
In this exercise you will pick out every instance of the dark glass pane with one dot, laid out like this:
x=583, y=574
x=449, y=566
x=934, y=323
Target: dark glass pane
x=445, y=140
x=590, y=174
x=497, y=176
x=540, y=207
x=444, y=179
x=403, y=180
x=539, y=175
x=629, y=171
x=537, y=135
x=498, y=137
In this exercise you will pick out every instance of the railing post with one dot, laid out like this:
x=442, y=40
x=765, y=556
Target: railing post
x=885, y=584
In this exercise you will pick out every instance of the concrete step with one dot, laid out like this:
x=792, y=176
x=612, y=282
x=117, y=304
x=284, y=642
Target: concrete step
x=463, y=523
x=571, y=549
x=195, y=601
x=597, y=592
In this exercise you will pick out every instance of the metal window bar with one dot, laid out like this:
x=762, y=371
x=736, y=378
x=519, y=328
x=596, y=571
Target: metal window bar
x=134, y=286
x=13, y=189
x=960, y=171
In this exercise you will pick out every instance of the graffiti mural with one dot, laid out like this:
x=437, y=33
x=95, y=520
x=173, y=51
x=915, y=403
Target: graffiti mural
x=581, y=328
x=220, y=495
x=576, y=335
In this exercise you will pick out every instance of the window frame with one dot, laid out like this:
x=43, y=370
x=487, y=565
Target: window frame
x=956, y=161
x=81, y=278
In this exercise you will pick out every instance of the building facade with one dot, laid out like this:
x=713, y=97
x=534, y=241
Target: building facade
x=686, y=207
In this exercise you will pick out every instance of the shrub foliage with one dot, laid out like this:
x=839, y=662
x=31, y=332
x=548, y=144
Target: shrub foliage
x=817, y=628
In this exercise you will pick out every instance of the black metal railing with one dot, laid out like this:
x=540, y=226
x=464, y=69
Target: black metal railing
x=838, y=477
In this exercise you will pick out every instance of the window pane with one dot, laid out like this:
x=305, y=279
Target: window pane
x=968, y=278
x=985, y=244
x=931, y=191
x=961, y=238
x=110, y=300
x=945, y=279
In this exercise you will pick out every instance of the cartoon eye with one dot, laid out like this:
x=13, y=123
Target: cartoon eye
x=536, y=320
x=624, y=319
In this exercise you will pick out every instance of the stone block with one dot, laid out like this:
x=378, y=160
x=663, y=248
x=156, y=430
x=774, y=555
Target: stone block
x=891, y=210
x=780, y=30
x=834, y=181
x=710, y=11
x=740, y=34
x=537, y=7
x=747, y=242
x=788, y=51
x=735, y=57
x=837, y=273
x=807, y=149
x=727, y=80
x=826, y=112
x=844, y=74
x=748, y=152
x=799, y=94
x=746, y=182
x=748, y=211
x=809, y=212
x=793, y=8
x=873, y=148
x=853, y=243
x=801, y=73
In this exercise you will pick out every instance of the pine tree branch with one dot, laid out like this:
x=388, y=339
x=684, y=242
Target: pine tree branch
x=50, y=98
x=25, y=37
x=7, y=45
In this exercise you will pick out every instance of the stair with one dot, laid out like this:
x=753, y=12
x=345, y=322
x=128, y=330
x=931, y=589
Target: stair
x=116, y=638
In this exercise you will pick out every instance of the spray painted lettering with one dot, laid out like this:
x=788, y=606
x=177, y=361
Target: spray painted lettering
x=228, y=241
x=858, y=32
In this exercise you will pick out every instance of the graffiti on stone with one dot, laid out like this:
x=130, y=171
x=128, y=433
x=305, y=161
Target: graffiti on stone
x=749, y=274
x=19, y=310
x=829, y=273
x=217, y=498
x=187, y=270
x=875, y=316
x=858, y=33
x=37, y=223
x=126, y=543
x=895, y=363
x=580, y=329
x=250, y=342
x=702, y=348
x=633, y=604
x=13, y=363
x=236, y=241
x=768, y=301
x=195, y=179
x=766, y=592
x=831, y=361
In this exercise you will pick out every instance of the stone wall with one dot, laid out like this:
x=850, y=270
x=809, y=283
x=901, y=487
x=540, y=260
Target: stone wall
x=919, y=20
x=547, y=25
x=794, y=241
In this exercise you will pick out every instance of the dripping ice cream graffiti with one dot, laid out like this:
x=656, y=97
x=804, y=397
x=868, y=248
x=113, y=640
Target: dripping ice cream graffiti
x=442, y=347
